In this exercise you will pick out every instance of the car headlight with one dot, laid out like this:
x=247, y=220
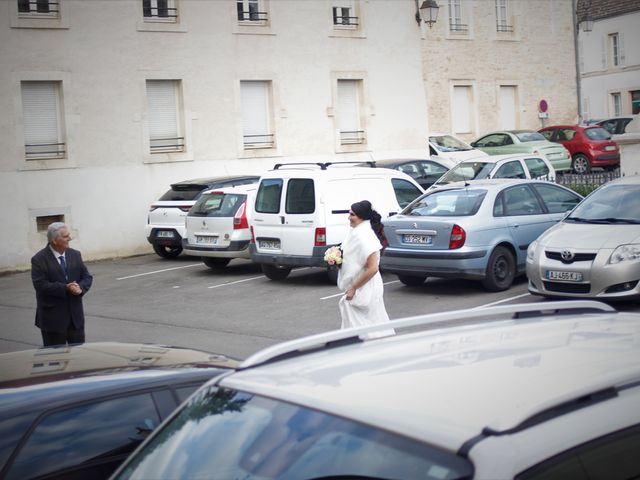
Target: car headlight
x=531, y=251
x=625, y=252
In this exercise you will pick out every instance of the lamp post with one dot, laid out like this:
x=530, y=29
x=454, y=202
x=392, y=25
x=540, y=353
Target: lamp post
x=427, y=12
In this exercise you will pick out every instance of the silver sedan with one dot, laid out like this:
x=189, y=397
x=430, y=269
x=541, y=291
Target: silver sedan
x=595, y=251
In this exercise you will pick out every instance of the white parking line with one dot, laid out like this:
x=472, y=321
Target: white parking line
x=159, y=271
x=502, y=301
x=342, y=293
x=237, y=281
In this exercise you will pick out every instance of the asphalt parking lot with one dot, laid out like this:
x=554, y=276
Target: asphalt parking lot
x=234, y=312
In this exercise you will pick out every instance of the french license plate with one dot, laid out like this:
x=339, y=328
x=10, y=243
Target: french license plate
x=417, y=239
x=207, y=240
x=165, y=234
x=608, y=148
x=564, y=276
x=269, y=244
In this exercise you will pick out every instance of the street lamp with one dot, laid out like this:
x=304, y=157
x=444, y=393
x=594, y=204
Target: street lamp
x=587, y=23
x=427, y=12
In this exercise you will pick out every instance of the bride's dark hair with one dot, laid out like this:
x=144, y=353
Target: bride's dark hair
x=364, y=210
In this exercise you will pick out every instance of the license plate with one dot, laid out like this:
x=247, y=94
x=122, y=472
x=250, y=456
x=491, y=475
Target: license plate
x=564, y=276
x=417, y=239
x=165, y=234
x=269, y=244
x=608, y=148
x=207, y=240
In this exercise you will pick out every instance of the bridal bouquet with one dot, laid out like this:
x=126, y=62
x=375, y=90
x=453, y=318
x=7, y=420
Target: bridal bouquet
x=333, y=256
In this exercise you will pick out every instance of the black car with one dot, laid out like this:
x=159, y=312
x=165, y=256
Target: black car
x=165, y=222
x=423, y=171
x=77, y=412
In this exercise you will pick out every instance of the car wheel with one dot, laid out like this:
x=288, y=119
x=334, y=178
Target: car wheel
x=580, y=164
x=501, y=270
x=411, y=281
x=167, y=251
x=215, y=263
x=275, y=272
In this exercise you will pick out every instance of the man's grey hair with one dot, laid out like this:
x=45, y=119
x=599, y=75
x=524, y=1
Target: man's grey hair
x=53, y=231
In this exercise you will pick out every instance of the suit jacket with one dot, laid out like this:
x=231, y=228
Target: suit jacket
x=56, y=308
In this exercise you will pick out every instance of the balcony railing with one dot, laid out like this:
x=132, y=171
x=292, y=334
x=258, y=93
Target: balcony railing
x=48, y=8
x=458, y=27
x=351, y=137
x=45, y=150
x=159, y=11
x=252, y=16
x=164, y=145
x=259, y=141
x=344, y=20
x=504, y=28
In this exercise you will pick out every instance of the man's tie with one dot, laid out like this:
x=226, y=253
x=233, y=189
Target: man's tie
x=64, y=267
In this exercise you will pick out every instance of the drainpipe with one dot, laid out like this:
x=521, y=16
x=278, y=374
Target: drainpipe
x=577, y=59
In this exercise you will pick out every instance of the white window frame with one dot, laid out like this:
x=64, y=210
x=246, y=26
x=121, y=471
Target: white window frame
x=463, y=103
x=349, y=119
x=261, y=16
x=53, y=6
x=164, y=116
x=42, y=117
x=345, y=9
x=456, y=17
x=154, y=9
x=616, y=104
x=502, y=17
x=257, y=114
x=508, y=108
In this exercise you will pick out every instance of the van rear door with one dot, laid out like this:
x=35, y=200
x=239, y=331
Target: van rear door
x=267, y=222
x=300, y=217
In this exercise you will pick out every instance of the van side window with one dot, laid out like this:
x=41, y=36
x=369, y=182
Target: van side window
x=268, y=196
x=406, y=192
x=301, y=196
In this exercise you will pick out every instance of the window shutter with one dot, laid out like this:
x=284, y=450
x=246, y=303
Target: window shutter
x=40, y=116
x=603, y=49
x=621, y=57
x=348, y=118
x=255, y=113
x=462, y=109
x=507, y=107
x=163, y=113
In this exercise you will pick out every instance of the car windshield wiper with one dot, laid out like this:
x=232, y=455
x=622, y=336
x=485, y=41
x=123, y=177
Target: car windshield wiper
x=603, y=221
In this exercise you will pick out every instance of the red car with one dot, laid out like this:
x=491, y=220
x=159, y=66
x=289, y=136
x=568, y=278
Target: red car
x=589, y=145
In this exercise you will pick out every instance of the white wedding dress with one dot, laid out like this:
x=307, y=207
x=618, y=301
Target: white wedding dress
x=367, y=305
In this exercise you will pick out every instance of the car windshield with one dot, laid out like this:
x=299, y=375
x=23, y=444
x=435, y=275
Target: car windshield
x=217, y=204
x=447, y=143
x=597, y=133
x=529, y=136
x=467, y=171
x=448, y=203
x=609, y=204
x=237, y=435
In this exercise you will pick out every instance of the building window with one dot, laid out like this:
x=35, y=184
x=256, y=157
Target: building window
x=616, y=50
x=40, y=8
x=616, y=104
x=165, y=123
x=256, y=114
x=507, y=107
x=344, y=14
x=456, y=24
x=635, y=101
x=251, y=11
x=462, y=109
x=159, y=10
x=43, y=222
x=502, y=17
x=349, y=123
x=43, y=129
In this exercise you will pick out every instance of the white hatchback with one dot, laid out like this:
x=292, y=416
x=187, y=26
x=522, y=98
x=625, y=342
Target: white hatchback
x=217, y=226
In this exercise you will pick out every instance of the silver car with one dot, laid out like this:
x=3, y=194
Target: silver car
x=478, y=230
x=595, y=251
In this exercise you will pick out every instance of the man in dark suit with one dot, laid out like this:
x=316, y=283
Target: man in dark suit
x=60, y=278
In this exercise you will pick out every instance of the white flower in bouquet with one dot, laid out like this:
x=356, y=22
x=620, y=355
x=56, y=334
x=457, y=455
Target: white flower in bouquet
x=333, y=256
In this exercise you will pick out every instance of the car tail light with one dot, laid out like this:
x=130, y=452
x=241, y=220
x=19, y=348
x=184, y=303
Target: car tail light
x=321, y=237
x=458, y=237
x=240, y=218
x=253, y=239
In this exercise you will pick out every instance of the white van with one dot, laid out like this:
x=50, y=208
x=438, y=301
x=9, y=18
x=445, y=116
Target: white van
x=301, y=209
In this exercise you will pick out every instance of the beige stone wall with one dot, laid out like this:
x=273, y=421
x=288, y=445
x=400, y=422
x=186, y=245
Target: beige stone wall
x=538, y=58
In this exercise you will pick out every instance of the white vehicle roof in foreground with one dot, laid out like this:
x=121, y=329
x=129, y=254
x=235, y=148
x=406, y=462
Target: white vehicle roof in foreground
x=486, y=369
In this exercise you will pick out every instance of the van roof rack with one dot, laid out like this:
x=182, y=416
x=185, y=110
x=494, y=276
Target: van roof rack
x=339, y=338
x=325, y=165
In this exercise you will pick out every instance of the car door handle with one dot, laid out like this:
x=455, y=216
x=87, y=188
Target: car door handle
x=282, y=219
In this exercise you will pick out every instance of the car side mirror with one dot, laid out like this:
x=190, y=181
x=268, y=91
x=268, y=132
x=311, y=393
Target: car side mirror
x=473, y=144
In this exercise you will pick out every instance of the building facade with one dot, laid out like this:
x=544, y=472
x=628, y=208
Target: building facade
x=488, y=65
x=105, y=103
x=609, y=59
